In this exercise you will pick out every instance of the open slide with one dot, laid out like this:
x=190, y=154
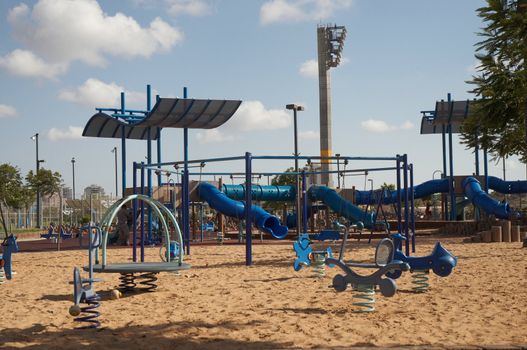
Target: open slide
x=482, y=200
x=221, y=202
x=339, y=205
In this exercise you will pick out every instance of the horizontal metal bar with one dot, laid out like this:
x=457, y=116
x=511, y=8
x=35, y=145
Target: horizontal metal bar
x=331, y=157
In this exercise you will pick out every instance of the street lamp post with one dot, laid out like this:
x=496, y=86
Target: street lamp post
x=72, y=214
x=114, y=151
x=38, y=161
x=338, y=170
x=73, y=170
x=296, y=108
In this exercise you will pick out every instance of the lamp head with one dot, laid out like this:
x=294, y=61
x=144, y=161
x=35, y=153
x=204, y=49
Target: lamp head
x=294, y=107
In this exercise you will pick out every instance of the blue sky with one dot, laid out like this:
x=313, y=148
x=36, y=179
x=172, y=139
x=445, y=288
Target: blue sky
x=60, y=59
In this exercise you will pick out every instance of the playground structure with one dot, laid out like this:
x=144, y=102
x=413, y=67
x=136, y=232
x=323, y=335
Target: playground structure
x=9, y=246
x=364, y=285
x=446, y=119
x=129, y=272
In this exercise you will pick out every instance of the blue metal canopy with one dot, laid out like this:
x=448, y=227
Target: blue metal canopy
x=167, y=113
x=445, y=113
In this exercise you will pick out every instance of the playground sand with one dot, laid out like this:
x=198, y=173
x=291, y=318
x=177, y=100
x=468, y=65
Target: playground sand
x=222, y=304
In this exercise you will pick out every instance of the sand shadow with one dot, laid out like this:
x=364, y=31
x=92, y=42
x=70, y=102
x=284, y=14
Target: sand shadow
x=307, y=310
x=278, y=279
x=176, y=335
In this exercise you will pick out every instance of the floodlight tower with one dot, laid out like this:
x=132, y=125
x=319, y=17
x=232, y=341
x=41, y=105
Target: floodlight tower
x=330, y=40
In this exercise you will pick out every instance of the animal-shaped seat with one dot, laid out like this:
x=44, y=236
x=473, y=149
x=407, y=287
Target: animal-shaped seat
x=9, y=246
x=440, y=261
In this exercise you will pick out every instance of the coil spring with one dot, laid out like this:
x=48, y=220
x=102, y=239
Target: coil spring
x=2, y=276
x=92, y=314
x=127, y=282
x=318, y=262
x=364, y=298
x=420, y=281
x=148, y=281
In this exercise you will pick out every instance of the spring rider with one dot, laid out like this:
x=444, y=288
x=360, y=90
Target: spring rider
x=364, y=285
x=440, y=261
x=9, y=246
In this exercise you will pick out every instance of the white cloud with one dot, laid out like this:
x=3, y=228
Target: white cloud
x=300, y=10
x=189, y=7
x=96, y=93
x=213, y=136
x=7, y=111
x=380, y=126
x=71, y=133
x=252, y=115
x=309, y=69
x=309, y=135
x=58, y=32
x=27, y=64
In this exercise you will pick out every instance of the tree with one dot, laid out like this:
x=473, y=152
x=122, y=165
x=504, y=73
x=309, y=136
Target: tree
x=10, y=187
x=285, y=178
x=500, y=115
x=48, y=183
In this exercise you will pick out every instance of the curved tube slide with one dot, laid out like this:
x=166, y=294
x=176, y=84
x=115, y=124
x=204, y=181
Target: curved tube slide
x=501, y=186
x=261, y=193
x=482, y=200
x=221, y=202
x=425, y=189
x=339, y=205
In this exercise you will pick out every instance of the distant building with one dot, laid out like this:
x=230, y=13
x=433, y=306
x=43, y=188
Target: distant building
x=93, y=190
x=67, y=193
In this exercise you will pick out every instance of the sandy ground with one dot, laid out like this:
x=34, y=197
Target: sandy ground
x=222, y=304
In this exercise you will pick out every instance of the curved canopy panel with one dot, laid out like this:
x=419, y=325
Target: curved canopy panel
x=453, y=113
x=104, y=125
x=167, y=113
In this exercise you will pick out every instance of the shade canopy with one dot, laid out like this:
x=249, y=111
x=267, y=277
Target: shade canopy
x=445, y=113
x=167, y=113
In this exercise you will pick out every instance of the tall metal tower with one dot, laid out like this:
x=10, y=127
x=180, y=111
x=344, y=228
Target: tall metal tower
x=330, y=40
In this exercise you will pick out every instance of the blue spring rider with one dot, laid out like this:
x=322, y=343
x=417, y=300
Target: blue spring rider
x=174, y=251
x=306, y=256
x=9, y=246
x=364, y=285
x=440, y=261
x=83, y=291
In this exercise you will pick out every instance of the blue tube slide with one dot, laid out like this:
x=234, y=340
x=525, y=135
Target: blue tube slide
x=425, y=189
x=482, y=200
x=501, y=186
x=339, y=205
x=220, y=202
x=261, y=193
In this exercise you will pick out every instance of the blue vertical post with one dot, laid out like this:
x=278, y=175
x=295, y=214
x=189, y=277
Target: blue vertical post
x=149, y=160
x=201, y=221
x=476, y=152
x=134, y=211
x=186, y=199
x=412, y=206
x=451, y=161
x=159, y=179
x=248, y=207
x=142, y=213
x=304, y=202
x=406, y=200
x=123, y=149
x=398, y=206
x=486, y=169
x=443, y=199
